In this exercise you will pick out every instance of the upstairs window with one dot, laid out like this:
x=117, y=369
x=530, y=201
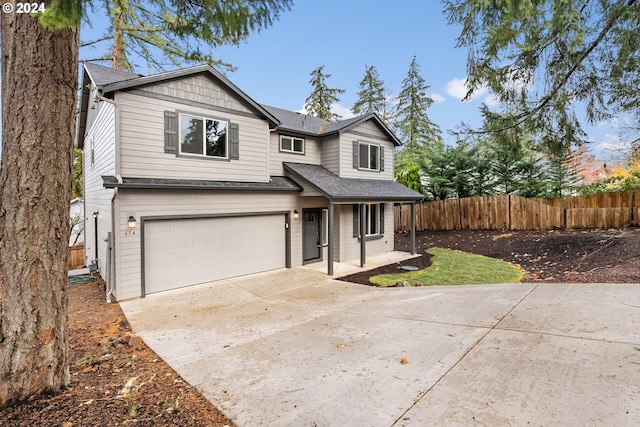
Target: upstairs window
x=291, y=144
x=205, y=137
x=369, y=155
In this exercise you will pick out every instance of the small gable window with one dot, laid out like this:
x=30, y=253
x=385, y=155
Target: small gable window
x=201, y=136
x=291, y=144
x=369, y=155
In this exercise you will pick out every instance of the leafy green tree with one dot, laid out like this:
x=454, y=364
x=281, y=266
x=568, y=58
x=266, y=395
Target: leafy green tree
x=173, y=32
x=372, y=94
x=413, y=123
x=622, y=178
x=322, y=97
x=36, y=168
x=547, y=59
x=410, y=178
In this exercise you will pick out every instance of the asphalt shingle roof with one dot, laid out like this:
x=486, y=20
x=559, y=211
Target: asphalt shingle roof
x=350, y=189
x=276, y=183
x=298, y=122
x=303, y=123
x=102, y=75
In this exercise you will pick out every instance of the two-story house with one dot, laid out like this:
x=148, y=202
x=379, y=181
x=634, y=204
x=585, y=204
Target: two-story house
x=189, y=180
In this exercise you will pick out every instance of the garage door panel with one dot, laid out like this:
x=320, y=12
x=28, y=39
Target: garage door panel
x=184, y=252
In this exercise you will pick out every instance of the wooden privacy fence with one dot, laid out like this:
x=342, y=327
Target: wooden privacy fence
x=76, y=256
x=509, y=212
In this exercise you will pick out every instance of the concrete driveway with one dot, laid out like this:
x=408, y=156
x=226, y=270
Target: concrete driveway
x=294, y=348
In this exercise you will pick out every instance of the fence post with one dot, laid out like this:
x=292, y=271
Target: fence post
x=413, y=228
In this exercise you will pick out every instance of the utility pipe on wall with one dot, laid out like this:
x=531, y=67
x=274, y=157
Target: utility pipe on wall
x=95, y=231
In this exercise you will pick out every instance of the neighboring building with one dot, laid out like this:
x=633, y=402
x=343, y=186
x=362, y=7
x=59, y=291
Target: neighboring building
x=76, y=211
x=218, y=186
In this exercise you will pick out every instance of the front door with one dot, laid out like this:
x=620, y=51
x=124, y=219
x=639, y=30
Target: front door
x=311, y=231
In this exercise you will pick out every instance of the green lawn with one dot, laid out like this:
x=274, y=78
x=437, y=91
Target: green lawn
x=451, y=267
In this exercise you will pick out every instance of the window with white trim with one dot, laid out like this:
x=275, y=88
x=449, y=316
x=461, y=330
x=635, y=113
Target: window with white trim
x=372, y=215
x=369, y=155
x=202, y=136
x=374, y=220
x=291, y=144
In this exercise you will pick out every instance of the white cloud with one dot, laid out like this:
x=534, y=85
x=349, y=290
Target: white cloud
x=344, y=112
x=437, y=98
x=457, y=88
x=616, y=122
x=612, y=143
x=491, y=100
x=613, y=123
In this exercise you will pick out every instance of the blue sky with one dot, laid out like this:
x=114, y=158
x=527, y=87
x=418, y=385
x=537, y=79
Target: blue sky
x=274, y=65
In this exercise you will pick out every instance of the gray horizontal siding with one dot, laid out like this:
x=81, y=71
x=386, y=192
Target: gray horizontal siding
x=101, y=135
x=331, y=154
x=364, y=133
x=312, y=155
x=350, y=246
x=142, y=144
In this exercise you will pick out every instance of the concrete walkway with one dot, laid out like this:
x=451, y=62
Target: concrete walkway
x=294, y=348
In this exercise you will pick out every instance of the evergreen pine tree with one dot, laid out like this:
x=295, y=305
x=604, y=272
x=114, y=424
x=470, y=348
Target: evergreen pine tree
x=413, y=124
x=319, y=103
x=551, y=60
x=371, y=96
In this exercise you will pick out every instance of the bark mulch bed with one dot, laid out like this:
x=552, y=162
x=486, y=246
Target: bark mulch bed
x=569, y=256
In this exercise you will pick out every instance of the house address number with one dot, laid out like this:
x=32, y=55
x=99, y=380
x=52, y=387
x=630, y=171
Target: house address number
x=130, y=233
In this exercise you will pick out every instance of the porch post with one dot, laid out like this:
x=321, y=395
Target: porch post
x=330, y=243
x=413, y=228
x=363, y=234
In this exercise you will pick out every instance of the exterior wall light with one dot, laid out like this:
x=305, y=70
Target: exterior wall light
x=295, y=214
x=132, y=222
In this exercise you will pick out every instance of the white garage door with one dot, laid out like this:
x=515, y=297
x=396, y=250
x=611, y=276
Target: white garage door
x=185, y=252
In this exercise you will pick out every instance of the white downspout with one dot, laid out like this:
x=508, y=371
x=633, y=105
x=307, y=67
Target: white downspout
x=114, y=236
x=112, y=273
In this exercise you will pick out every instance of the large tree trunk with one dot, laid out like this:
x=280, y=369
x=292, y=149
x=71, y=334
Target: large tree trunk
x=39, y=82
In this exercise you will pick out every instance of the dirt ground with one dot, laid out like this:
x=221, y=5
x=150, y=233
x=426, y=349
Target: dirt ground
x=117, y=381
x=569, y=256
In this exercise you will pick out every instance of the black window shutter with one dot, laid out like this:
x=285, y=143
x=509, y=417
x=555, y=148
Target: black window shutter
x=381, y=159
x=171, y=132
x=355, y=155
x=356, y=217
x=234, y=141
x=381, y=218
